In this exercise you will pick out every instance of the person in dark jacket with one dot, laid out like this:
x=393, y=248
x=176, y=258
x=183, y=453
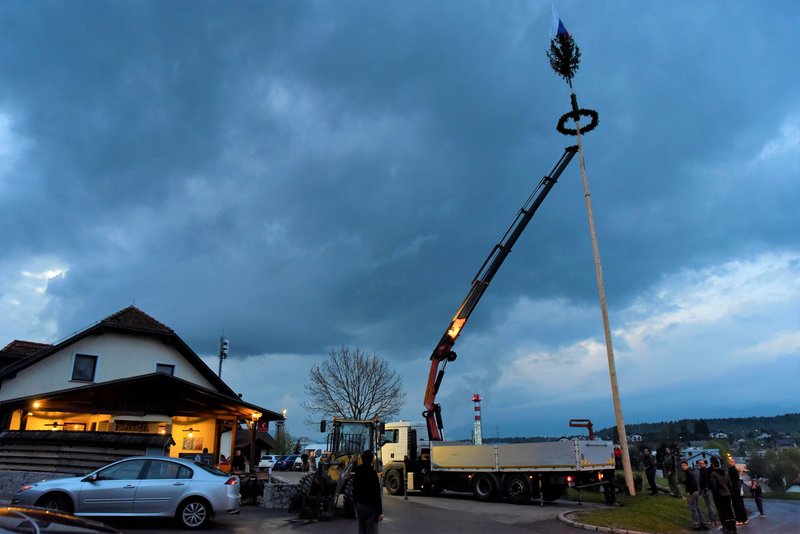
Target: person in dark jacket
x=367, y=495
x=705, y=493
x=693, y=497
x=649, y=464
x=237, y=463
x=737, y=493
x=670, y=464
x=756, y=492
x=720, y=485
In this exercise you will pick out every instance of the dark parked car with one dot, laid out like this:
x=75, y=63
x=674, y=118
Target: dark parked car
x=36, y=520
x=141, y=486
x=285, y=463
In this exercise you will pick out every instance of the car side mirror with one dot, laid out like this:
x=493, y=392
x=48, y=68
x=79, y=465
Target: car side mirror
x=91, y=478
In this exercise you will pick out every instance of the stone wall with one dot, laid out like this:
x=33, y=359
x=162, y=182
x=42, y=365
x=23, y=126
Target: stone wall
x=11, y=481
x=277, y=495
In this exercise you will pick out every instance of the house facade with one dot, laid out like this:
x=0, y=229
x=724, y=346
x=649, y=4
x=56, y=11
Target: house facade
x=127, y=375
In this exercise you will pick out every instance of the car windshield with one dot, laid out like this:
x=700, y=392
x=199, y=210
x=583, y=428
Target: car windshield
x=212, y=470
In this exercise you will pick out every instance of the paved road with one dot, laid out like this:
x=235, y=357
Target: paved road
x=446, y=513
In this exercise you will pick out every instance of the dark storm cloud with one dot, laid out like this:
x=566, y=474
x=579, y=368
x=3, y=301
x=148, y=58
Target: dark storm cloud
x=307, y=174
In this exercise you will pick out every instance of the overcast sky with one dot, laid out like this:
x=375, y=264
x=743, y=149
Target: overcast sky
x=306, y=175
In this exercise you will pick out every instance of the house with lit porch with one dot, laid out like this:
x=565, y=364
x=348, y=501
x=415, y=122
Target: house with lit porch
x=126, y=385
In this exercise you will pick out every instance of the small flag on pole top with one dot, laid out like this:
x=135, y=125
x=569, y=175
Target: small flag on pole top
x=556, y=26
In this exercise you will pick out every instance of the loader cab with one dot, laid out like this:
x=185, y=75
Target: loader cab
x=352, y=437
x=349, y=438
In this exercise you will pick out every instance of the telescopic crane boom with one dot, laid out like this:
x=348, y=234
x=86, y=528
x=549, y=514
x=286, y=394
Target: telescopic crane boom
x=443, y=352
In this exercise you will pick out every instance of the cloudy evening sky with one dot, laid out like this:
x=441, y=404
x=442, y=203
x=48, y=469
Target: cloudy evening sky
x=305, y=175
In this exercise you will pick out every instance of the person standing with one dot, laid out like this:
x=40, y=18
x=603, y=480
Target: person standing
x=670, y=465
x=737, y=493
x=693, y=497
x=237, y=462
x=720, y=485
x=756, y=492
x=312, y=460
x=649, y=464
x=702, y=481
x=367, y=495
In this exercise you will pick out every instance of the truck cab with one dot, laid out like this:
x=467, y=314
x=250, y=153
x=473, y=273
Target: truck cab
x=400, y=440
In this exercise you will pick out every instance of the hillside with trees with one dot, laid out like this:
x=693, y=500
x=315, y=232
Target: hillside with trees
x=699, y=429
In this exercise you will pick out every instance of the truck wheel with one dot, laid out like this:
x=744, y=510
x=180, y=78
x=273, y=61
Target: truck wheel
x=483, y=487
x=518, y=489
x=394, y=482
x=552, y=493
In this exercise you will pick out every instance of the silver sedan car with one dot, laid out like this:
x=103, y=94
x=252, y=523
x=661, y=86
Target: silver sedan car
x=141, y=486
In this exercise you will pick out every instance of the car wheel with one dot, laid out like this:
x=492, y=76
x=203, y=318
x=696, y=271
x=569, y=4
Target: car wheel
x=55, y=501
x=194, y=514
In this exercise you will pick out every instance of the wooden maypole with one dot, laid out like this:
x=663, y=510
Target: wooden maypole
x=564, y=58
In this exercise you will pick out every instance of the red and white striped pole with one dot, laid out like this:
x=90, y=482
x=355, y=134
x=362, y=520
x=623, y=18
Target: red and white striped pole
x=476, y=430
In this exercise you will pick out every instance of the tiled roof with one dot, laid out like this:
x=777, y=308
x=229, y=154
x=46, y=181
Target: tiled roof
x=23, y=349
x=135, y=319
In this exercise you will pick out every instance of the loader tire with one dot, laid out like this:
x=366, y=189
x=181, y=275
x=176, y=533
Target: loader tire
x=304, y=486
x=348, y=505
x=298, y=502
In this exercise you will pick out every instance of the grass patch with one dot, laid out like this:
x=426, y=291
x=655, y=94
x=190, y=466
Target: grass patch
x=662, y=514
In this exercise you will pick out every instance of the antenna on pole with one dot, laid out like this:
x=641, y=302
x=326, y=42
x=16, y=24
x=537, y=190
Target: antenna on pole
x=564, y=56
x=223, y=352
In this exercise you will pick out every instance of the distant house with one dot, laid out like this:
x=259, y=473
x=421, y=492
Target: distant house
x=786, y=443
x=694, y=454
x=718, y=435
x=635, y=438
x=763, y=436
x=126, y=383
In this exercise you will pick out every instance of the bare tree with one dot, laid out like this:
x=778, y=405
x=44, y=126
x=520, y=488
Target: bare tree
x=354, y=385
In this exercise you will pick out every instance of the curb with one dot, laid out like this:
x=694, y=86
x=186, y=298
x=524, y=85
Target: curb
x=571, y=522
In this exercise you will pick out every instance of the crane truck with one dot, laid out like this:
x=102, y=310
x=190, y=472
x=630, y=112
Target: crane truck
x=517, y=472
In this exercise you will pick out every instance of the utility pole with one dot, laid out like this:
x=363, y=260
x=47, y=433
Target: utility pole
x=564, y=58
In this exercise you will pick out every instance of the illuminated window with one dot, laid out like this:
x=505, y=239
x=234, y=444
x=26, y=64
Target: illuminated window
x=83, y=368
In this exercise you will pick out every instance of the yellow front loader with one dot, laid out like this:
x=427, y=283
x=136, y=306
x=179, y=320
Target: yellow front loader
x=317, y=494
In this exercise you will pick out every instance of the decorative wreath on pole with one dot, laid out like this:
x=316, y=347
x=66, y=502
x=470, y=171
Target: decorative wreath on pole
x=565, y=58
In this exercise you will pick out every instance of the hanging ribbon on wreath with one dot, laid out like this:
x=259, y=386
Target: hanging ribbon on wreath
x=565, y=58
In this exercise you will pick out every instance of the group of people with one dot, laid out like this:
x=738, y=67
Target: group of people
x=308, y=461
x=721, y=488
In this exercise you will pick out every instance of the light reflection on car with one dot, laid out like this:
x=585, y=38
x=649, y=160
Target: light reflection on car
x=141, y=486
